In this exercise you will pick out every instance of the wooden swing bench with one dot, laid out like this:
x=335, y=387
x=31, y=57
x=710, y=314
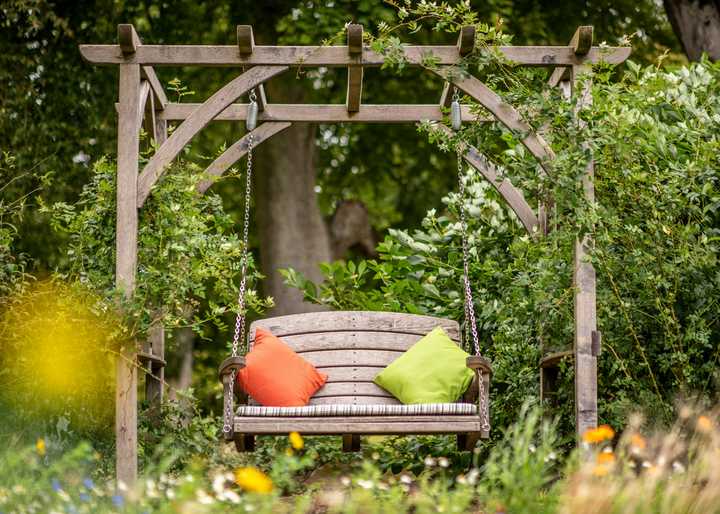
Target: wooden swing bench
x=351, y=348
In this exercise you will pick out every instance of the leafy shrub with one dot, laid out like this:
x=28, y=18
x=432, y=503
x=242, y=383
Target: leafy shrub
x=654, y=138
x=188, y=253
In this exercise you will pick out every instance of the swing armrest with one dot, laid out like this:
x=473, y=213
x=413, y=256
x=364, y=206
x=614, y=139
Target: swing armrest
x=480, y=366
x=230, y=388
x=481, y=382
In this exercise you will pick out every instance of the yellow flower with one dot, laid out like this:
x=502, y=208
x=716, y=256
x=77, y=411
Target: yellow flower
x=704, y=424
x=253, y=480
x=289, y=452
x=599, y=434
x=600, y=471
x=40, y=447
x=296, y=441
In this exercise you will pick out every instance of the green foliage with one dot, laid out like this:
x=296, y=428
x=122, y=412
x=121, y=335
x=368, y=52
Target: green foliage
x=188, y=254
x=654, y=139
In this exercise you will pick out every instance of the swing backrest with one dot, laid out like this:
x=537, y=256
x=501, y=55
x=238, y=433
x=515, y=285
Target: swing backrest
x=351, y=347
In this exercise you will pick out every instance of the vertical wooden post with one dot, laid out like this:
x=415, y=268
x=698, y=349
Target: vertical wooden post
x=586, y=416
x=155, y=346
x=125, y=266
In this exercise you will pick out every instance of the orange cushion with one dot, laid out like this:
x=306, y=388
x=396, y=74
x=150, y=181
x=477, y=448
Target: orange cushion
x=275, y=376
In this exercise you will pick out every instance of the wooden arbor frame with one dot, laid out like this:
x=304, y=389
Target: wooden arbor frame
x=143, y=100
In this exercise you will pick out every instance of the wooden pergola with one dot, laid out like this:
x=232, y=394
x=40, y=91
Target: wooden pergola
x=142, y=101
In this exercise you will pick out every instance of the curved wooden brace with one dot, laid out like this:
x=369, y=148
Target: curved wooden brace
x=504, y=112
x=512, y=195
x=238, y=150
x=197, y=121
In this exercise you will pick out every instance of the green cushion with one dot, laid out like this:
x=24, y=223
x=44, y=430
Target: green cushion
x=433, y=370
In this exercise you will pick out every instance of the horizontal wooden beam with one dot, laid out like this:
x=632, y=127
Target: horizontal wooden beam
x=581, y=42
x=324, y=113
x=228, y=55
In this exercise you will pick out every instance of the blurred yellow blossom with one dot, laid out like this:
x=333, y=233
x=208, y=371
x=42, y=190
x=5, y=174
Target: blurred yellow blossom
x=253, y=480
x=40, y=447
x=599, y=434
x=296, y=441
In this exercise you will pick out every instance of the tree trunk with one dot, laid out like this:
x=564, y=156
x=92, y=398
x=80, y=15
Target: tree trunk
x=697, y=25
x=290, y=226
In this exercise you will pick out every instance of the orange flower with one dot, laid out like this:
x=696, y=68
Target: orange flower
x=638, y=442
x=599, y=434
x=704, y=424
x=605, y=458
x=253, y=480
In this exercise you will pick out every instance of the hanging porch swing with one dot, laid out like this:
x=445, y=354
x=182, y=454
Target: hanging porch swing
x=351, y=347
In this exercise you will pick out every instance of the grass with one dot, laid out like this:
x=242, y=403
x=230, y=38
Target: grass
x=674, y=471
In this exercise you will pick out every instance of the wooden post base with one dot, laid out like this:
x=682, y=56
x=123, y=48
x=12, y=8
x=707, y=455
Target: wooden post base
x=466, y=442
x=244, y=442
x=351, y=443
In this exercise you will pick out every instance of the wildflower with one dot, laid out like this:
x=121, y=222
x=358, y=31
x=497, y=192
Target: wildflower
x=85, y=497
x=443, y=462
x=55, y=484
x=289, y=452
x=678, y=467
x=203, y=497
x=40, y=447
x=600, y=471
x=637, y=442
x=345, y=481
x=405, y=479
x=117, y=500
x=253, y=480
x=296, y=441
x=429, y=462
x=605, y=458
x=88, y=483
x=365, y=484
x=375, y=456
x=704, y=424
x=599, y=434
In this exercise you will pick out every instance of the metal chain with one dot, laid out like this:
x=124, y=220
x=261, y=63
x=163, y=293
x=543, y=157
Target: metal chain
x=469, y=303
x=239, y=334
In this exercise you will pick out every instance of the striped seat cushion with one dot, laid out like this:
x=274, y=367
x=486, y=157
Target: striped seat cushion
x=420, y=409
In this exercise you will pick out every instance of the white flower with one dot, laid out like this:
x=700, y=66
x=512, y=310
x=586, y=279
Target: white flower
x=203, y=497
x=443, y=462
x=365, y=484
x=429, y=462
x=345, y=481
x=678, y=467
x=405, y=479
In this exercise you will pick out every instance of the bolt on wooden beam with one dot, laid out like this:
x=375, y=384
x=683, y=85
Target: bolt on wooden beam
x=355, y=72
x=465, y=45
x=246, y=45
x=128, y=39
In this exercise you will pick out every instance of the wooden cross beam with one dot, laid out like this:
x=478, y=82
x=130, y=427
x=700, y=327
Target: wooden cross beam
x=355, y=72
x=246, y=45
x=465, y=45
x=334, y=56
x=581, y=44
